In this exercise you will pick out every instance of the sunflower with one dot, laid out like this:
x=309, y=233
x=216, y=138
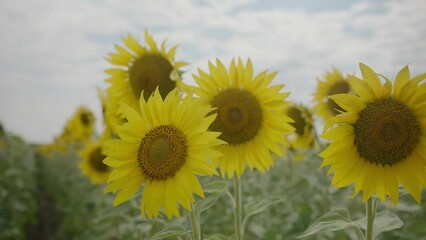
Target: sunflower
x=250, y=115
x=333, y=83
x=103, y=98
x=162, y=149
x=139, y=69
x=77, y=131
x=92, y=163
x=82, y=124
x=108, y=132
x=379, y=142
x=303, y=137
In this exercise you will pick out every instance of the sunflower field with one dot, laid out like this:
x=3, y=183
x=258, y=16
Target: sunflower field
x=228, y=158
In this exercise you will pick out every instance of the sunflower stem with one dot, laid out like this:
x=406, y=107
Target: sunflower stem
x=371, y=214
x=290, y=165
x=195, y=224
x=326, y=191
x=324, y=173
x=237, y=209
x=317, y=139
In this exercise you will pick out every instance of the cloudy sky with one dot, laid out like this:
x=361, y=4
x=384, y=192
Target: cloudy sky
x=52, y=52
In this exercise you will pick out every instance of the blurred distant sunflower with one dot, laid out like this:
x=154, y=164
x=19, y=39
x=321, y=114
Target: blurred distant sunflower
x=46, y=149
x=85, y=121
x=140, y=69
x=78, y=130
x=333, y=83
x=250, y=115
x=92, y=163
x=379, y=141
x=303, y=137
x=103, y=98
x=162, y=148
x=108, y=132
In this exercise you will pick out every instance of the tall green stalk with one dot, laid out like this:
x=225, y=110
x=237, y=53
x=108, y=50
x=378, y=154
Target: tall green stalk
x=237, y=209
x=195, y=224
x=324, y=174
x=371, y=214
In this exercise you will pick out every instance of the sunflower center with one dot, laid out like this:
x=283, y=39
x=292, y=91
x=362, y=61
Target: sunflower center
x=149, y=72
x=338, y=87
x=239, y=116
x=299, y=121
x=85, y=119
x=160, y=149
x=162, y=152
x=235, y=115
x=96, y=160
x=386, y=132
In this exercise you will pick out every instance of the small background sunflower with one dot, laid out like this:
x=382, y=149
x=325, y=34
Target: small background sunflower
x=303, y=138
x=139, y=69
x=332, y=83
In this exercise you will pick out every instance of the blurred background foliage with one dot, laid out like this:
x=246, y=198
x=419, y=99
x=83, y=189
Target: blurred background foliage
x=45, y=196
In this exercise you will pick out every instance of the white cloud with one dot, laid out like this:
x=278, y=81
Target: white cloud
x=52, y=51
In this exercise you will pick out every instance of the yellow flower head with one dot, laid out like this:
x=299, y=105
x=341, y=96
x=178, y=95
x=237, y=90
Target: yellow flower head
x=162, y=148
x=250, y=115
x=333, y=83
x=379, y=141
x=77, y=131
x=84, y=121
x=108, y=132
x=92, y=163
x=139, y=69
x=103, y=98
x=303, y=137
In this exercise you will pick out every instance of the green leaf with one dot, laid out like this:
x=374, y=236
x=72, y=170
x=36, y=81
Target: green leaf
x=171, y=231
x=384, y=221
x=216, y=186
x=255, y=207
x=334, y=220
x=207, y=202
x=111, y=213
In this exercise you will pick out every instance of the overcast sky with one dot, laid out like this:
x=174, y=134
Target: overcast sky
x=52, y=52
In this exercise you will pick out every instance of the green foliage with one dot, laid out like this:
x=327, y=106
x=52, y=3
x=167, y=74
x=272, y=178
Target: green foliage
x=18, y=189
x=385, y=221
x=171, y=231
x=334, y=220
x=83, y=210
x=47, y=197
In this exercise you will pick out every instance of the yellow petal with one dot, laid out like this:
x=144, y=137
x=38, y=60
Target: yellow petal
x=369, y=183
x=371, y=78
x=361, y=88
x=349, y=102
x=150, y=42
x=387, y=88
x=172, y=52
x=133, y=45
x=409, y=182
x=401, y=79
x=343, y=118
x=126, y=193
x=408, y=92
